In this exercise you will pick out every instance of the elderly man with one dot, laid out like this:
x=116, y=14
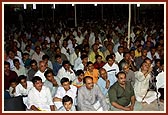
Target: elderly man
x=90, y=97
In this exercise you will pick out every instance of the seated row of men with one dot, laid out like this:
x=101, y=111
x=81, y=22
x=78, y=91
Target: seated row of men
x=83, y=94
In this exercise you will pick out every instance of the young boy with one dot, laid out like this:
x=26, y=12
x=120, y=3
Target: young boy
x=12, y=88
x=78, y=82
x=67, y=104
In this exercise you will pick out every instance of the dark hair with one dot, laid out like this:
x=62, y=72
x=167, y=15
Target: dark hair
x=121, y=72
x=88, y=63
x=35, y=79
x=124, y=54
x=21, y=77
x=63, y=80
x=66, y=98
x=45, y=57
x=15, y=60
x=83, y=57
x=65, y=62
x=111, y=56
x=6, y=63
x=48, y=71
x=84, y=79
x=98, y=56
x=33, y=61
x=120, y=47
x=78, y=72
x=24, y=54
x=57, y=56
x=13, y=80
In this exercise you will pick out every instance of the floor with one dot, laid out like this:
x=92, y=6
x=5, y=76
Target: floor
x=154, y=106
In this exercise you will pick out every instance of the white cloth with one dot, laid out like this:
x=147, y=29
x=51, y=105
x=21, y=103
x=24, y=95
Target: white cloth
x=80, y=66
x=12, y=64
x=50, y=65
x=64, y=51
x=63, y=73
x=37, y=57
x=20, y=90
x=79, y=40
x=77, y=61
x=160, y=80
x=21, y=71
x=41, y=100
x=150, y=56
x=72, y=58
x=118, y=56
x=141, y=87
x=111, y=71
x=72, y=92
x=41, y=75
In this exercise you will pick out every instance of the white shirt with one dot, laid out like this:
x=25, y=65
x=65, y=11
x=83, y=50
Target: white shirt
x=80, y=66
x=64, y=51
x=20, y=90
x=37, y=57
x=50, y=65
x=150, y=56
x=72, y=58
x=160, y=80
x=41, y=75
x=63, y=73
x=77, y=61
x=72, y=92
x=20, y=71
x=41, y=100
x=111, y=71
x=12, y=64
x=118, y=56
x=79, y=40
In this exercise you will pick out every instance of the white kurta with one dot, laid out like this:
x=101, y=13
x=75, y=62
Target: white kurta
x=41, y=100
x=63, y=73
x=72, y=92
x=141, y=87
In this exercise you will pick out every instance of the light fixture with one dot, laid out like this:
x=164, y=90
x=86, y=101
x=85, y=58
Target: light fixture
x=95, y=4
x=34, y=6
x=53, y=6
x=73, y=4
x=138, y=5
x=24, y=6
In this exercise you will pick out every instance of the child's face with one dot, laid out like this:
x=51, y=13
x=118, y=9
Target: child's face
x=68, y=105
x=13, y=84
x=81, y=76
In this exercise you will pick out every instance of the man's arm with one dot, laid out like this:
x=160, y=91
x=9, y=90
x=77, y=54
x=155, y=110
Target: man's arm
x=52, y=107
x=34, y=108
x=116, y=105
x=132, y=103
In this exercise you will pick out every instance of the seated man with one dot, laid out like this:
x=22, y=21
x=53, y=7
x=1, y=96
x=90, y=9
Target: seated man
x=142, y=85
x=65, y=89
x=52, y=82
x=90, y=97
x=121, y=95
x=39, y=97
x=23, y=88
x=67, y=103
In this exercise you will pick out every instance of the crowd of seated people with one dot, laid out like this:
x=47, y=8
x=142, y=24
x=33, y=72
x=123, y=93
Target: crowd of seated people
x=86, y=68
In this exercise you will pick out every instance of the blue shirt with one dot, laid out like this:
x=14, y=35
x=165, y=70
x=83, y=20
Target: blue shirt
x=56, y=67
x=102, y=84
